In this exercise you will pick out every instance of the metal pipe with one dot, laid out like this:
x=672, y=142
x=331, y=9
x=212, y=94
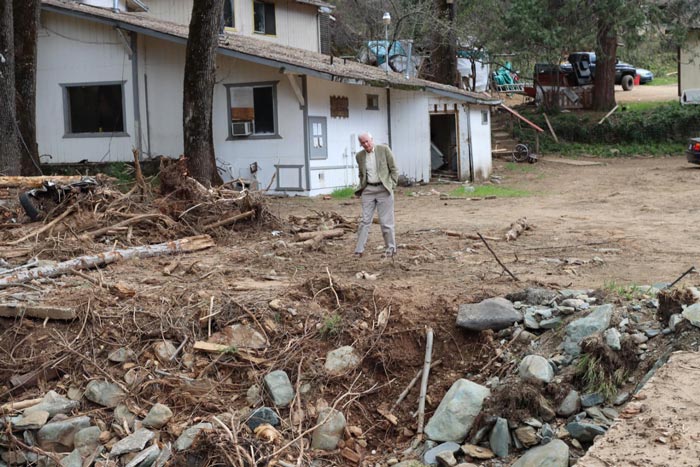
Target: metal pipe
x=115, y=6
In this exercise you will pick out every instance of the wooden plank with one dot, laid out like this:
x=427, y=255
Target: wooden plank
x=551, y=130
x=508, y=109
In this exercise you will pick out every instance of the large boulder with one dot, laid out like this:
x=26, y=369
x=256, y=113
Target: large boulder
x=327, y=435
x=597, y=320
x=457, y=411
x=552, y=454
x=692, y=314
x=493, y=313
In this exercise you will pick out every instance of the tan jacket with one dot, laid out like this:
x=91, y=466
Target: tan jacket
x=386, y=168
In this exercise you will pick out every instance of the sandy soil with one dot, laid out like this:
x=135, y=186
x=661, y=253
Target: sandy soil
x=660, y=428
x=643, y=93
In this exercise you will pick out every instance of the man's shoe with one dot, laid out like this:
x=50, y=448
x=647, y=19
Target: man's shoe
x=358, y=254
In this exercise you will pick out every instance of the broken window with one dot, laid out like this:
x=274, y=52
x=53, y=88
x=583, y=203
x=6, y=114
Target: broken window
x=253, y=109
x=372, y=101
x=264, y=18
x=229, y=14
x=94, y=108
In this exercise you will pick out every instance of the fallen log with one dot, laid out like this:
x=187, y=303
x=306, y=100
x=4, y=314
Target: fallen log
x=319, y=234
x=36, y=182
x=17, y=310
x=230, y=220
x=453, y=233
x=516, y=228
x=184, y=245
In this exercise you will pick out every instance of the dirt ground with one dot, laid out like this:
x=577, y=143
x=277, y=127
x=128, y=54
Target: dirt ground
x=625, y=221
x=643, y=93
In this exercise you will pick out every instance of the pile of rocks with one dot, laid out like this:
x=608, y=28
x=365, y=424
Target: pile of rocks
x=564, y=428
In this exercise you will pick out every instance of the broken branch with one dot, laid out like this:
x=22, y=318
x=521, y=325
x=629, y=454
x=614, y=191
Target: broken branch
x=230, y=220
x=497, y=259
x=17, y=310
x=424, y=380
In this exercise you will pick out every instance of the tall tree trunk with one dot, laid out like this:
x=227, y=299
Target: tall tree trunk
x=9, y=139
x=443, y=59
x=606, y=52
x=200, y=73
x=26, y=23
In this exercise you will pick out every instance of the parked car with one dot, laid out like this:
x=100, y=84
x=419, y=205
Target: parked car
x=645, y=76
x=693, y=151
x=583, y=64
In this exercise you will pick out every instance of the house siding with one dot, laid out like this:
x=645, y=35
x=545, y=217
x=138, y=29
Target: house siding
x=176, y=11
x=72, y=51
x=410, y=134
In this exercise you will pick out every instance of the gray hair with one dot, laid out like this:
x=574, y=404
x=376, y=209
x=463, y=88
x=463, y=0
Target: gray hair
x=366, y=133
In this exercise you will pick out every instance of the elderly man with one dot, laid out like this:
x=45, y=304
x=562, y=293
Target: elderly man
x=378, y=177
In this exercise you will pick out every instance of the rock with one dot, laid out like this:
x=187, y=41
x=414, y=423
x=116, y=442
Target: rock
x=53, y=403
x=591, y=399
x=74, y=459
x=536, y=369
x=164, y=456
x=595, y=414
x=122, y=355
x=477, y=452
x=409, y=464
x=546, y=433
x=639, y=338
x=692, y=314
x=446, y=459
x=533, y=422
x=575, y=303
x=621, y=398
x=122, y=415
x=674, y=320
x=132, y=443
x=530, y=321
x=280, y=388
x=260, y=416
x=651, y=333
x=566, y=310
x=499, y=440
x=570, y=405
x=164, y=351
x=158, y=416
x=145, y=457
x=597, y=320
x=430, y=456
x=31, y=421
x=553, y=454
x=610, y=413
x=58, y=436
x=527, y=435
x=543, y=313
x=188, y=436
x=253, y=395
x=493, y=313
x=239, y=336
x=584, y=432
x=87, y=440
x=104, y=393
x=551, y=323
x=457, y=411
x=612, y=338
x=534, y=296
x=525, y=337
x=340, y=360
x=327, y=436
x=546, y=411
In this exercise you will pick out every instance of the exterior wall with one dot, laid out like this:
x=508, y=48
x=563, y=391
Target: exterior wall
x=176, y=11
x=340, y=169
x=72, y=51
x=296, y=24
x=410, y=134
x=482, y=162
x=690, y=62
x=105, y=3
x=164, y=70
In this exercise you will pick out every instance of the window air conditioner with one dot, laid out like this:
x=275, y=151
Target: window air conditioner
x=242, y=128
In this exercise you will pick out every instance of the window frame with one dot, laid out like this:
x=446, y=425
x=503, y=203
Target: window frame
x=258, y=84
x=266, y=5
x=67, y=127
x=233, y=15
x=484, y=117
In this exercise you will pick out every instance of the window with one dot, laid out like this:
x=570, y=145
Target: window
x=253, y=110
x=484, y=117
x=264, y=17
x=94, y=109
x=229, y=14
x=340, y=107
x=372, y=101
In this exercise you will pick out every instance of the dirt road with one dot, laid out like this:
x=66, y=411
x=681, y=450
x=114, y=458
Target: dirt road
x=647, y=93
x=625, y=221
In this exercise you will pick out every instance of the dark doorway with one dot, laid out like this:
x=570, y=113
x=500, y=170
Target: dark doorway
x=444, y=153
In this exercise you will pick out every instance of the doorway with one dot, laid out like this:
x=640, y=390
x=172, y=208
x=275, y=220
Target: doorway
x=444, y=148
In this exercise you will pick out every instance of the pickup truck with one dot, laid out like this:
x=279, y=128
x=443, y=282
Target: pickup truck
x=583, y=65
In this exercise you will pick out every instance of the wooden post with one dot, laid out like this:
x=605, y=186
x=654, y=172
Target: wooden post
x=424, y=381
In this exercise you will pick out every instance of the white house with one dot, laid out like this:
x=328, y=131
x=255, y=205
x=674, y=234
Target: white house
x=110, y=78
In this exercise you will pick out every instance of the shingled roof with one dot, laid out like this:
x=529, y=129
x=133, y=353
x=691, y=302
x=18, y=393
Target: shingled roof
x=289, y=59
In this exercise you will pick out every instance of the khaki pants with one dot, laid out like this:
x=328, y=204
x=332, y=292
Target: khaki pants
x=377, y=197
